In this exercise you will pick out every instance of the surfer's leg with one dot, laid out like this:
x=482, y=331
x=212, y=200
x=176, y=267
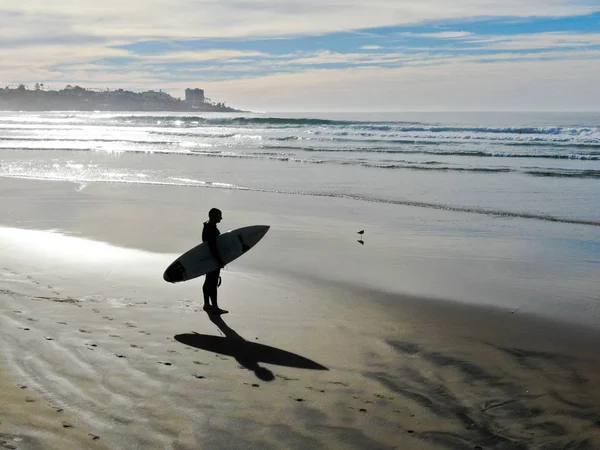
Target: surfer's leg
x=206, y=293
x=209, y=289
x=214, y=287
x=212, y=291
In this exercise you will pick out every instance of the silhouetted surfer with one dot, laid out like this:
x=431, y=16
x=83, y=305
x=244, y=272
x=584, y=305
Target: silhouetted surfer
x=210, y=233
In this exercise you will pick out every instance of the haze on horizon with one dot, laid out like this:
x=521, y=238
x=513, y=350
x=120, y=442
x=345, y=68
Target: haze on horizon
x=332, y=55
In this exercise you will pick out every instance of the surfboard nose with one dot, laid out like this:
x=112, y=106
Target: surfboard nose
x=258, y=233
x=174, y=273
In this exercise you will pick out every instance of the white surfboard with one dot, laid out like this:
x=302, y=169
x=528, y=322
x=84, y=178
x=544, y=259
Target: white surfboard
x=199, y=261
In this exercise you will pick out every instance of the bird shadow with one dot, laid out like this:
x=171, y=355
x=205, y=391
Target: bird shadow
x=247, y=354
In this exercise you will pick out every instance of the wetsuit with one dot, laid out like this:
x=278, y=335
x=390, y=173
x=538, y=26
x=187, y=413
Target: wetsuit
x=210, y=232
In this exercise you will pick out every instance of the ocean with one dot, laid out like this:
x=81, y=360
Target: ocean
x=542, y=166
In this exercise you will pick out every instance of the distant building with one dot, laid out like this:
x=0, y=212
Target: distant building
x=194, y=97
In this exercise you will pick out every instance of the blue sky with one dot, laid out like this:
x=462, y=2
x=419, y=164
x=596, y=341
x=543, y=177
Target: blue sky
x=327, y=55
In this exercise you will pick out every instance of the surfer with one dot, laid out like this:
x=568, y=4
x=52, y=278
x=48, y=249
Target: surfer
x=210, y=232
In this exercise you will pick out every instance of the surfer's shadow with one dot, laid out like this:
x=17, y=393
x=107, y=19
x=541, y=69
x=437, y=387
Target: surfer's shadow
x=247, y=354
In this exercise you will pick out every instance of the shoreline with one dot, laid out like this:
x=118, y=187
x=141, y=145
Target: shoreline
x=3, y=108
x=516, y=264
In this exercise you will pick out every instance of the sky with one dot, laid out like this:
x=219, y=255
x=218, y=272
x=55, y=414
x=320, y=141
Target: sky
x=316, y=55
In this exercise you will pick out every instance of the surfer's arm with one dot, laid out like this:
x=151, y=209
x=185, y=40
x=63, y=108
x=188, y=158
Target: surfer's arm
x=212, y=246
x=210, y=237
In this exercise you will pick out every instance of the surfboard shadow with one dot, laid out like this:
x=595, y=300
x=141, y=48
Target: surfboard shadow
x=248, y=354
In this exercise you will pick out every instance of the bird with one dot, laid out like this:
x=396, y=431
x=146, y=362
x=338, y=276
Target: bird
x=361, y=232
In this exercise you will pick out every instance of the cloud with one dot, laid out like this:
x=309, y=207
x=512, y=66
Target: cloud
x=462, y=85
x=440, y=35
x=538, y=41
x=48, y=62
x=328, y=57
x=200, y=56
x=165, y=19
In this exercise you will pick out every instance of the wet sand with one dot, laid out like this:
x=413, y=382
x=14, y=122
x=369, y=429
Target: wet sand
x=302, y=360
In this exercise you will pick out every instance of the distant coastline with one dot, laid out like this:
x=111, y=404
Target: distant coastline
x=76, y=98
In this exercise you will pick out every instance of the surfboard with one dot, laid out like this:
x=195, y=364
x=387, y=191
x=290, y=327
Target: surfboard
x=199, y=261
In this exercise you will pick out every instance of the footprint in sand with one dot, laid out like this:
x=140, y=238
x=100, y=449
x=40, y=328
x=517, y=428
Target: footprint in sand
x=31, y=319
x=340, y=383
x=29, y=400
x=96, y=310
x=200, y=377
x=120, y=356
x=130, y=325
x=315, y=389
x=165, y=363
x=67, y=425
x=115, y=336
x=108, y=318
x=5, y=444
x=32, y=280
x=62, y=323
x=94, y=437
x=287, y=378
x=136, y=346
x=85, y=331
x=24, y=329
x=200, y=363
x=383, y=397
x=49, y=338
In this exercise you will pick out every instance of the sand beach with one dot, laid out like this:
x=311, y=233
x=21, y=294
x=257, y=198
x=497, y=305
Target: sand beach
x=329, y=343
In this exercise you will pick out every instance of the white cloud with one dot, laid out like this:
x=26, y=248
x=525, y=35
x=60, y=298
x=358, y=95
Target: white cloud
x=328, y=57
x=200, y=56
x=166, y=19
x=538, y=41
x=370, y=47
x=441, y=35
x=49, y=62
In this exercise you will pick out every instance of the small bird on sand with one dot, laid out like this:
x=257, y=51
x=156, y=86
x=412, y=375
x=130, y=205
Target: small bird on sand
x=361, y=232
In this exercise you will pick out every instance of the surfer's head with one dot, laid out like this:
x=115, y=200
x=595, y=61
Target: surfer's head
x=215, y=215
